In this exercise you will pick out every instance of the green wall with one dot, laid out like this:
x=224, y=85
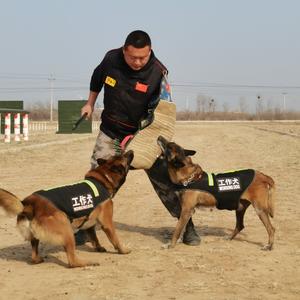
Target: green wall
x=69, y=111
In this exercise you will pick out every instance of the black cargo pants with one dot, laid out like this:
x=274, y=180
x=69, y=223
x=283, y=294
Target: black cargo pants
x=163, y=186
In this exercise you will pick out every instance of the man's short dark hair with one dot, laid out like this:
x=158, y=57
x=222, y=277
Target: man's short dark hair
x=138, y=39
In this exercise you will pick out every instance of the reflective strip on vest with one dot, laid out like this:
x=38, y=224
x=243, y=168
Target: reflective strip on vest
x=92, y=186
x=210, y=179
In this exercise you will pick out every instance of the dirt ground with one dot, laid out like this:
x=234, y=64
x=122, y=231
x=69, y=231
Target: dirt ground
x=216, y=269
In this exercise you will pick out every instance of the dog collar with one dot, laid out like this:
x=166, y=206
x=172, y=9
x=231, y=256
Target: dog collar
x=193, y=177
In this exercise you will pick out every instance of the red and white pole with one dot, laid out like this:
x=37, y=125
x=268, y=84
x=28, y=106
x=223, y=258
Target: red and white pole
x=7, y=128
x=17, y=127
x=25, y=127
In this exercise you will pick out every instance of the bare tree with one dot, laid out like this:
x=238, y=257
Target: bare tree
x=243, y=105
x=225, y=107
x=202, y=103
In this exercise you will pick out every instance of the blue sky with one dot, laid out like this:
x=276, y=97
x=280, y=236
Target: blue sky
x=226, y=49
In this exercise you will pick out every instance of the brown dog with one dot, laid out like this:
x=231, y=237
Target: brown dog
x=199, y=188
x=40, y=219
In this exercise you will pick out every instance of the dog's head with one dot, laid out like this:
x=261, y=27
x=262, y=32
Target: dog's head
x=180, y=165
x=112, y=172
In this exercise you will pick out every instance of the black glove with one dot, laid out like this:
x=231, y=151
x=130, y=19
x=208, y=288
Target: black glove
x=148, y=120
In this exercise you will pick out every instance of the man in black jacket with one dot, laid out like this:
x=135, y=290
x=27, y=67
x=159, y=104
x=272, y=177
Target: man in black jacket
x=131, y=76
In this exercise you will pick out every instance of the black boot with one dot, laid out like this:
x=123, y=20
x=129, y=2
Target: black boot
x=190, y=236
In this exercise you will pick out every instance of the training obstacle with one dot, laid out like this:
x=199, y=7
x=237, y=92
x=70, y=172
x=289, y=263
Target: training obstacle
x=18, y=129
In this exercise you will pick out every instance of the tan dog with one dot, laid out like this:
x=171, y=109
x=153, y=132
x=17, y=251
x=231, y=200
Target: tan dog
x=188, y=176
x=39, y=219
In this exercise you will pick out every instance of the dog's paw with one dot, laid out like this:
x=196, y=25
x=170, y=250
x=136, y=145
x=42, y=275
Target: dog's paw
x=267, y=247
x=101, y=249
x=124, y=250
x=37, y=260
x=167, y=246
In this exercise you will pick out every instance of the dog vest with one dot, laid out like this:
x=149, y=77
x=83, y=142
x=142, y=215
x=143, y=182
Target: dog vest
x=78, y=199
x=226, y=187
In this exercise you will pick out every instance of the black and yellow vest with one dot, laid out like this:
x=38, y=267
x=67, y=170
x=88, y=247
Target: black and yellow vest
x=226, y=187
x=78, y=199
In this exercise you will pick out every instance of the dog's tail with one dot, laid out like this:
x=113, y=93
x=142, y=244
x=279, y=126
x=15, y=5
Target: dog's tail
x=10, y=203
x=271, y=201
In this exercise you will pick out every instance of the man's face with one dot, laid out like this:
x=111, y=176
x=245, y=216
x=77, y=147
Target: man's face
x=136, y=58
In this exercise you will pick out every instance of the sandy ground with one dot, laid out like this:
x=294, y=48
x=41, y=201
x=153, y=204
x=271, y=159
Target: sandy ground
x=217, y=269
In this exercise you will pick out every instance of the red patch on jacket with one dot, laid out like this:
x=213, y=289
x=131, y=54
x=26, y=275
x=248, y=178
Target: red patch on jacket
x=141, y=87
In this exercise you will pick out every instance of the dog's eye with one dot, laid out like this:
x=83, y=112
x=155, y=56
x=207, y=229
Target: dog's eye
x=177, y=163
x=117, y=169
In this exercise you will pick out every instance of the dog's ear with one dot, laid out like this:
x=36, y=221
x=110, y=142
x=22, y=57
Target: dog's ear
x=101, y=161
x=189, y=152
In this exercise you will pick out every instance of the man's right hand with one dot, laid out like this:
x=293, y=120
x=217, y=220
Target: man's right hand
x=88, y=109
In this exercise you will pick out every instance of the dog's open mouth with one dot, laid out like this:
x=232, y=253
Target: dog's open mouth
x=162, y=142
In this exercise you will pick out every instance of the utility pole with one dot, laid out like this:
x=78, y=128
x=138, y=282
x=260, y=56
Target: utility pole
x=51, y=79
x=259, y=107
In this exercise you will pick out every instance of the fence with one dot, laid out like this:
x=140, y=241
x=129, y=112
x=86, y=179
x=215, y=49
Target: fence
x=32, y=127
x=38, y=126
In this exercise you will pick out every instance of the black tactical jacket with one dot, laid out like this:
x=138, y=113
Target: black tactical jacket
x=127, y=93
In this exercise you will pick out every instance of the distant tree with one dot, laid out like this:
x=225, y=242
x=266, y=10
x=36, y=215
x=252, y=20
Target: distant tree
x=269, y=106
x=225, y=107
x=243, y=105
x=40, y=111
x=202, y=103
